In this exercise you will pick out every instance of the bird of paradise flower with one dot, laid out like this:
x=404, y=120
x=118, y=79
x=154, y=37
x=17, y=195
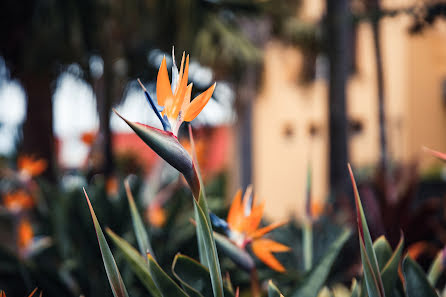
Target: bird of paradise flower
x=242, y=229
x=173, y=107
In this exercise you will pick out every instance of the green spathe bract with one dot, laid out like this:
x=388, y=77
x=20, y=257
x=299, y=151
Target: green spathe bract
x=166, y=145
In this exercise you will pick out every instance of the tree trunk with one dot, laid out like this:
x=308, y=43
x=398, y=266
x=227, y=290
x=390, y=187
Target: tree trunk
x=246, y=92
x=38, y=137
x=380, y=87
x=104, y=92
x=338, y=33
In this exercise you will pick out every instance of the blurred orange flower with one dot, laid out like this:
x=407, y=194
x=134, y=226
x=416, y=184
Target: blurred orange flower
x=25, y=234
x=29, y=166
x=88, y=137
x=112, y=186
x=317, y=208
x=18, y=200
x=242, y=228
x=156, y=215
x=416, y=249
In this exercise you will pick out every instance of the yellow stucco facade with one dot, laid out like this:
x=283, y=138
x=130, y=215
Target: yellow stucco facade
x=286, y=111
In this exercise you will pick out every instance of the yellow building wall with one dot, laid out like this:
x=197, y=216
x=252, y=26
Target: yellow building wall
x=414, y=71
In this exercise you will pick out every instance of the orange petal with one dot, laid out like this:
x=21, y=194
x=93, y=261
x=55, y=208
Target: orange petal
x=186, y=101
x=259, y=233
x=421, y=247
x=163, y=88
x=236, y=215
x=263, y=249
x=198, y=104
x=32, y=293
x=18, y=200
x=25, y=235
x=252, y=222
x=2, y=294
x=181, y=92
x=31, y=165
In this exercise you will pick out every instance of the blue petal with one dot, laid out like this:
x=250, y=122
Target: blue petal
x=219, y=223
x=157, y=109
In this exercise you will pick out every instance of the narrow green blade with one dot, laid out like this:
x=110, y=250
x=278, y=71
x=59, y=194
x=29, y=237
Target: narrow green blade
x=317, y=276
x=210, y=250
x=383, y=251
x=389, y=273
x=163, y=281
x=273, y=291
x=415, y=281
x=436, y=268
x=370, y=263
x=114, y=277
x=355, y=289
x=137, y=263
x=193, y=276
x=138, y=225
x=196, y=275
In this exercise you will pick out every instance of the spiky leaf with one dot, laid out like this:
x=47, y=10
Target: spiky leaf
x=370, y=264
x=163, y=281
x=317, y=276
x=273, y=291
x=383, y=251
x=114, y=277
x=415, y=280
x=137, y=263
x=138, y=225
x=389, y=273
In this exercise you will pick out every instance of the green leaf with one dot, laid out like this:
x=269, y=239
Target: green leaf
x=137, y=263
x=273, y=291
x=206, y=233
x=369, y=262
x=114, y=277
x=315, y=279
x=166, y=145
x=383, y=251
x=138, y=225
x=416, y=282
x=163, y=281
x=193, y=276
x=436, y=268
x=389, y=273
x=236, y=254
x=355, y=289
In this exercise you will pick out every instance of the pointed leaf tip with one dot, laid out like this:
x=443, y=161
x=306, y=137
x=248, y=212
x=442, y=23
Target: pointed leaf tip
x=111, y=269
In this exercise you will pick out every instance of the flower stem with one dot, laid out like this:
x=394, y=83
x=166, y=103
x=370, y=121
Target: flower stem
x=308, y=244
